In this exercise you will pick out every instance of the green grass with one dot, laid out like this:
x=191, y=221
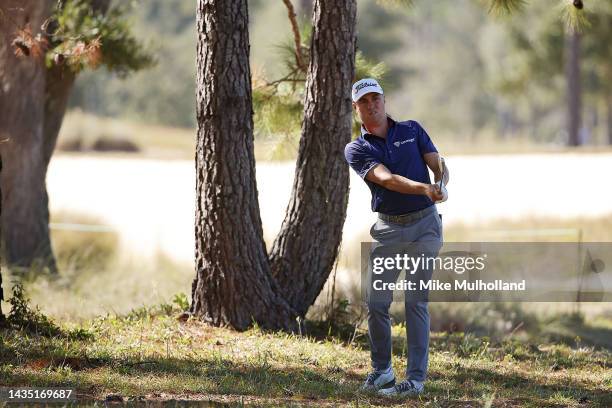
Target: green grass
x=149, y=354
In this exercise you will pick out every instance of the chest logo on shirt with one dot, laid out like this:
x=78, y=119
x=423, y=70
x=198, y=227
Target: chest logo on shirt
x=398, y=143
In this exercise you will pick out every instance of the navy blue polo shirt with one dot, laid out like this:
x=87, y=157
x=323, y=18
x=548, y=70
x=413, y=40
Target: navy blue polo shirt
x=402, y=153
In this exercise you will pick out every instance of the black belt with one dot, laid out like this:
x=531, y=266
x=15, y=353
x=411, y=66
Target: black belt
x=407, y=218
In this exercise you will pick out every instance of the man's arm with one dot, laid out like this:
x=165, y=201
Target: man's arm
x=380, y=175
x=432, y=161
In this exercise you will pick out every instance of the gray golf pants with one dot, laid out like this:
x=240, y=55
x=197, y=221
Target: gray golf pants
x=427, y=229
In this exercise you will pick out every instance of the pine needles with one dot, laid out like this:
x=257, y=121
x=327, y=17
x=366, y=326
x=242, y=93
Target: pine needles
x=506, y=7
x=573, y=15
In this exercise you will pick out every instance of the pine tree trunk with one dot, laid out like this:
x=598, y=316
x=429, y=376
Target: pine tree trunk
x=33, y=100
x=233, y=284
x=306, y=247
x=25, y=147
x=574, y=88
x=2, y=318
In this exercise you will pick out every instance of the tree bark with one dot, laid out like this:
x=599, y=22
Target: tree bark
x=23, y=86
x=306, y=247
x=2, y=318
x=609, y=118
x=233, y=284
x=574, y=88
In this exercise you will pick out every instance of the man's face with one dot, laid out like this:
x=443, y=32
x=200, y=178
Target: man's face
x=371, y=108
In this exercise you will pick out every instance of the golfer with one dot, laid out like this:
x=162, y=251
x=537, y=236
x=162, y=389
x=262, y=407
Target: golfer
x=392, y=158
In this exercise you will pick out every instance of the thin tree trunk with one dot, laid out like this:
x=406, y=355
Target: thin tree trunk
x=609, y=117
x=574, y=88
x=534, y=121
x=233, y=284
x=306, y=247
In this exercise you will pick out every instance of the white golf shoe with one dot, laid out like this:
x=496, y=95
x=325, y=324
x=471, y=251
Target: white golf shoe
x=378, y=380
x=406, y=388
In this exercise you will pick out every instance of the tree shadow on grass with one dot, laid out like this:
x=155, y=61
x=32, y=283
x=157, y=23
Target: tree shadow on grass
x=175, y=376
x=52, y=364
x=518, y=388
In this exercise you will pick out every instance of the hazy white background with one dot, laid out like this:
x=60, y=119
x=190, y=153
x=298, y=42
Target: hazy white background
x=150, y=203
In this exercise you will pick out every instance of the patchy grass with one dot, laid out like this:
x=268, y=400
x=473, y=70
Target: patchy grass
x=148, y=354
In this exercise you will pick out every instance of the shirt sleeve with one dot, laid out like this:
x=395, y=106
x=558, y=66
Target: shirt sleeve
x=425, y=143
x=359, y=159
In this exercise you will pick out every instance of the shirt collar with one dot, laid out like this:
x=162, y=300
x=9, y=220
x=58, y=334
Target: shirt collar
x=391, y=121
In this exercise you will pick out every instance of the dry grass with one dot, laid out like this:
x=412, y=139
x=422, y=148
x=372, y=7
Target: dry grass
x=529, y=229
x=153, y=141
x=83, y=129
x=86, y=249
x=96, y=277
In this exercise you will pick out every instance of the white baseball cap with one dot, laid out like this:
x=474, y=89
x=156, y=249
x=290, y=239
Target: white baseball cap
x=364, y=86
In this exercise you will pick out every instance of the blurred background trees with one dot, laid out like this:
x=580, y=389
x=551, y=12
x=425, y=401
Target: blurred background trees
x=465, y=75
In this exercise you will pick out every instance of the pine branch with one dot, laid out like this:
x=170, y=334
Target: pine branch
x=573, y=14
x=505, y=7
x=296, y=35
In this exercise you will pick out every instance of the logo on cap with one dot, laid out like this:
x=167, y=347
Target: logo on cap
x=363, y=85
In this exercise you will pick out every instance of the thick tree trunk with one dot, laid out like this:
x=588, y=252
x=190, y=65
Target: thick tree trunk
x=2, y=318
x=306, y=247
x=574, y=88
x=233, y=284
x=22, y=126
x=33, y=102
